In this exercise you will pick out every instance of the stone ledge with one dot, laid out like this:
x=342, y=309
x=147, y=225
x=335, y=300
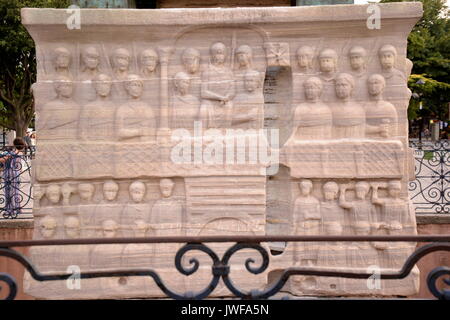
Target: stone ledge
x=433, y=218
x=128, y=17
x=16, y=224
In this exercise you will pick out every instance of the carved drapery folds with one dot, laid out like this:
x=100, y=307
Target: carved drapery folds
x=167, y=123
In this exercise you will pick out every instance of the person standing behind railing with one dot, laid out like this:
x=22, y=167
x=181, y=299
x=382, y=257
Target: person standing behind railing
x=11, y=165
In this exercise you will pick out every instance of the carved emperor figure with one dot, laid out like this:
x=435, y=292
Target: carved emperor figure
x=217, y=91
x=348, y=116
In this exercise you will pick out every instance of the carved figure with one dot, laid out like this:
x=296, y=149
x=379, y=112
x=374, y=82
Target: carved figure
x=312, y=119
x=217, y=91
x=61, y=61
x=328, y=62
x=249, y=105
x=305, y=55
x=90, y=59
x=149, y=61
x=97, y=118
x=185, y=106
x=135, y=120
x=348, y=116
x=381, y=116
x=136, y=209
x=59, y=118
x=121, y=63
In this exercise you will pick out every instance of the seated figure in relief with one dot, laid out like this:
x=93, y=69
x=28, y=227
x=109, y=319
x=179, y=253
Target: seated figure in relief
x=97, y=118
x=135, y=119
x=381, y=115
x=312, y=119
x=349, y=118
x=248, y=106
x=90, y=61
x=185, y=106
x=59, y=118
x=217, y=90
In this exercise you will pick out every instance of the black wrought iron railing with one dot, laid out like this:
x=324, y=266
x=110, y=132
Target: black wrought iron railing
x=16, y=199
x=220, y=266
x=430, y=191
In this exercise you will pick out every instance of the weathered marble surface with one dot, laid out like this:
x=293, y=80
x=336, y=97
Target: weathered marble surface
x=120, y=100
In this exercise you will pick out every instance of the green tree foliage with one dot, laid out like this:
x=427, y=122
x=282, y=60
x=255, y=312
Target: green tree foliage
x=18, y=64
x=429, y=50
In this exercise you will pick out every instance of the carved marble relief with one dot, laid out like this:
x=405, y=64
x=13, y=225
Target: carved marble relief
x=116, y=109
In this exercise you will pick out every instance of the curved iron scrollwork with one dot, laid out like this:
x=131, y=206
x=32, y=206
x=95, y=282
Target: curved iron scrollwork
x=430, y=192
x=15, y=185
x=432, y=279
x=221, y=270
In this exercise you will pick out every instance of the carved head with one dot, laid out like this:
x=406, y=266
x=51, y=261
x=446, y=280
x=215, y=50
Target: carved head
x=102, y=85
x=328, y=60
x=244, y=56
x=63, y=87
x=376, y=84
x=305, y=187
x=110, y=190
x=357, y=57
x=387, y=55
x=137, y=191
x=361, y=189
x=62, y=58
x=47, y=227
x=182, y=82
x=53, y=193
x=149, y=59
x=252, y=80
x=134, y=86
x=72, y=227
x=330, y=190
x=38, y=192
x=394, y=188
x=305, y=56
x=86, y=191
x=166, y=187
x=191, y=60
x=121, y=59
x=109, y=228
x=218, y=53
x=90, y=58
x=313, y=88
x=344, y=85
